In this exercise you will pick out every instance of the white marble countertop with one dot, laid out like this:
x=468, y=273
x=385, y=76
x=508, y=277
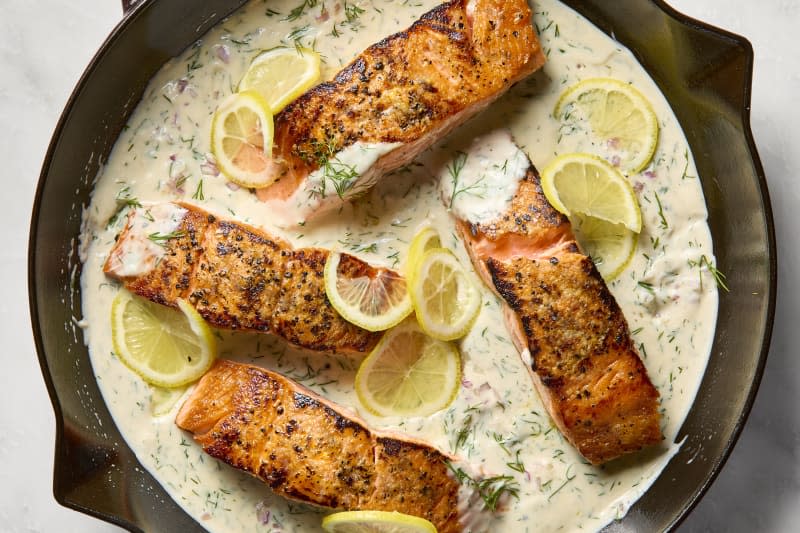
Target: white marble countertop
x=45, y=46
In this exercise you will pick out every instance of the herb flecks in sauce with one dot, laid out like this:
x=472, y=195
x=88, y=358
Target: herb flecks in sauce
x=497, y=424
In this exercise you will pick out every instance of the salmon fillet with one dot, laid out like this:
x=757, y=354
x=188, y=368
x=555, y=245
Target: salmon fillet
x=567, y=325
x=236, y=276
x=307, y=450
x=395, y=100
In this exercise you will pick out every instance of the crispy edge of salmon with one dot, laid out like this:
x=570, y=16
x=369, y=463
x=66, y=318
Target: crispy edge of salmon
x=240, y=278
x=412, y=88
x=308, y=450
x=582, y=359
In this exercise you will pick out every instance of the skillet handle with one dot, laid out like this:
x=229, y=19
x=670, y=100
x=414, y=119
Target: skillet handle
x=128, y=5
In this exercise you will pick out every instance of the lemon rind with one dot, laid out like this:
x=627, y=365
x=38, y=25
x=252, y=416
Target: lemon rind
x=415, y=291
x=419, y=245
x=419, y=525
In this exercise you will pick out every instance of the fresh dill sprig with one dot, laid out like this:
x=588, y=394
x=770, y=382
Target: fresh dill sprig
x=517, y=465
x=193, y=62
x=685, y=174
x=664, y=223
x=298, y=11
x=464, y=433
x=567, y=480
x=372, y=248
x=198, y=193
x=490, y=489
x=162, y=238
x=647, y=286
x=296, y=36
x=501, y=441
x=340, y=175
x=181, y=180
x=124, y=197
x=454, y=169
x=124, y=200
x=718, y=276
x=359, y=248
x=352, y=12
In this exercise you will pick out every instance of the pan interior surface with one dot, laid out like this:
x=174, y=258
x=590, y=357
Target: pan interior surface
x=705, y=74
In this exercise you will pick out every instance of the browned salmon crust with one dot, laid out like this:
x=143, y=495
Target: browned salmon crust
x=305, y=449
x=240, y=278
x=583, y=360
x=412, y=87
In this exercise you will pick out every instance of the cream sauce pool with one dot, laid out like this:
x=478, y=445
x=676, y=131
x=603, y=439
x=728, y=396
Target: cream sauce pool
x=497, y=423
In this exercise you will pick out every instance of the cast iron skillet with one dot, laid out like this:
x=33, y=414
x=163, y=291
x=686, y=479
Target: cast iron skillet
x=704, y=72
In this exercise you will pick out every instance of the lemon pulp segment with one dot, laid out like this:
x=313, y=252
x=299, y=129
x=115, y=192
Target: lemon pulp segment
x=166, y=347
x=241, y=139
x=446, y=301
x=618, y=115
x=375, y=301
x=409, y=373
x=589, y=185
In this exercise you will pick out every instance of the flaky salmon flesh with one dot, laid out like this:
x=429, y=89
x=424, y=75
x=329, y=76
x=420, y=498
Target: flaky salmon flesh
x=236, y=276
x=568, y=326
x=396, y=99
x=306, y=449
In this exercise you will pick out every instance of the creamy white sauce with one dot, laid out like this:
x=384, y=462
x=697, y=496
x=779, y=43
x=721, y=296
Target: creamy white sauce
x=479, y=184
x=497, y=424
x=148, y=229
x=345, y=176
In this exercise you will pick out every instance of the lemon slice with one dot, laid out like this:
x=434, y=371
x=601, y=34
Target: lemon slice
x=375, y=522
x=445, y=300
x=611, y=246
x=589, y=185
x=375, y=303
x=618, y=114
x=409, y=374
x=282, y=74
x=167, y=348
x=241, y=139
x=162, y=399
x=425, y=239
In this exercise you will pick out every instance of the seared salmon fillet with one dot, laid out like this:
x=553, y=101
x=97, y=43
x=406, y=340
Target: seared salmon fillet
x=307, y=450
x=236, y=276
x=567, y=325
x=395, y=100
